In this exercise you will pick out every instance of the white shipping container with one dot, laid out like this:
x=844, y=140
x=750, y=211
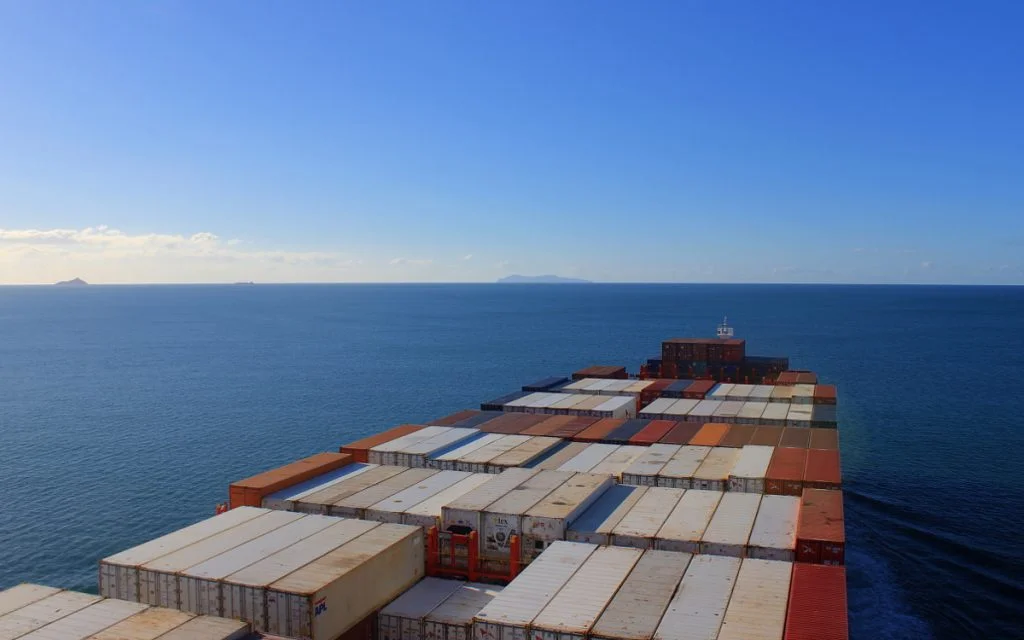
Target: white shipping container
x=504, y=518
x=285, y=499
x=386, y=452
x=525, y=400
x=705, y=409
x=453, y=618
x=782, y=393
x=618, y=407
x=802, y=394
x=428, y=513
x=448, y=460
x=644, y=470
x=616, y=387
x=199, y=587
x=548, y=520
x=713, y=473
x=589, y=403
x=355, y=505
x=740, y=391
x=158, y=580
x=40, y=613
x=476, y=461
x=656, y=409
x=679, y=471
x=150, y=624
x=751, y=466
x=509, y=614
x=720, y=391
x=773, y=536
x=696, y=610
x=391, y=509
x=568, y=400
x=751, y=412
x=85, y=622
x=23, y=595
x=757, y=608
x=563, y=455
x=637, y=387
x=617, y=461
x=799, y=415
x=322, y=501
x=416, y=455
x=328, y=596
x=596, y=384
x=244, y=592
x=524, y=454
x=578, y=605
x=580, y=384
x=640, y=526
x=775, y=413
x=728, y=410
x=595, y=525
x=465, y=511
x=684, y=527
x=209, y=628
x=403, y=618
x=119, y=573
x=729, y=530
x=636, y=610
x=589, y=458
x=681, y=407
x=761, y=392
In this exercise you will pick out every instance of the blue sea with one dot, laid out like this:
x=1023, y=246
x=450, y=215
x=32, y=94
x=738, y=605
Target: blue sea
x=126, y=411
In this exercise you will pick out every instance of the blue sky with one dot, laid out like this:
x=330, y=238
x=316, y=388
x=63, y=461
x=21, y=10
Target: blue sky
x=456, y=141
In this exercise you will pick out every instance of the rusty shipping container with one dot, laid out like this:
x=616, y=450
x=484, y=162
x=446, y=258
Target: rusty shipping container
x=820, y=531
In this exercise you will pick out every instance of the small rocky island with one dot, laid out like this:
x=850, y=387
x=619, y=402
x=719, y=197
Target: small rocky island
x=77, y=282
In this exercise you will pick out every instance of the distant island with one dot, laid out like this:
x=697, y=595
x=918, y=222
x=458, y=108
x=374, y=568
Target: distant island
x=516, y=279
x=77, y=282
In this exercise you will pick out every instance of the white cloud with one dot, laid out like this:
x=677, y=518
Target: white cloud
x=411, y=262
x=468, y=256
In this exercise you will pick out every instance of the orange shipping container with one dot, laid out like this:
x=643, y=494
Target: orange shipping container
x=824, y=394
x=360, y=449
x=824, y=439
x=822, y=470
x=795, y=437
x=817, y=604
x=653, y=432
x=597, y=431
x=682, y=433
x=571, y=428
x=739, y=435
x=251, y=491
x=767, y=436
x=820, y=530
x=785, y=472
x=710, y=435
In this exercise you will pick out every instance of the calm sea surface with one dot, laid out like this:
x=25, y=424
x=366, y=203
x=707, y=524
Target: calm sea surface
x=125, y=411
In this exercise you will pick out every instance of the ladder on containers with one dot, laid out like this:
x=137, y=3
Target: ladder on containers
x=724, y=330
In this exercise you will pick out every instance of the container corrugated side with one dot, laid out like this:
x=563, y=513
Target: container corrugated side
x=386, y=453
x=774, y=534
x=729, y=530
x=244, y=592
x=548, y=520
x=453, y=619
x=42, y=612
x=328, y=596
x=476, y=461
x=448, y=460
x=640, y=526
x=750, y=468
x=618, y=407
x=355, y=505
x=417, y=455
x=713, y=472
x=817, y=603
x=679, y=471
x=617, y=461
x=685, y=525
x=321, y=501
x=286, y=499
x=656, y=409
x=802, y=394
x=704, y=410
x=563, y=455
x=428, y=513
x=150, y=624
x=402, y=618
x=589, y=458
x=465, y=511
x=799, y=415
x=578, y=605
x=645, y=468
x=504, y=517
x=636, y=609
x=158, y=580
x=595, y=525
x=509, y=614
x=697, y=609
x=199, y=586
x=681, y=408
x=84, y=622
x=757, y=608
x=119, y=573
x=391, y=509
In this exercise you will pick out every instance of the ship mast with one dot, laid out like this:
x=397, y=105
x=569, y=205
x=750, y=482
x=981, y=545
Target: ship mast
x=724, y=330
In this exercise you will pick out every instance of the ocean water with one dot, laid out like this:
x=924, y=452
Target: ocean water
x=126, y=411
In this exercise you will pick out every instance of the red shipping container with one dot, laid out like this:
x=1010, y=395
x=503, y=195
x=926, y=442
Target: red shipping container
x=653, y=432
x=824, y=394
x=577, y=424
x=360, y=449
x=251, y=491
x=767, y=436
x=817, y=604
x=823, y=470
x=785, y=472
x=597, y=431
x=821, y=529
x=452, y=419
x=806, y=377
x=505, y=423
x=682, y=433
x=547, y=426
x=699, y=389
x=739, y=435
x=710, y=434
x=786, y=378
x=795, y=437
x=824, y=439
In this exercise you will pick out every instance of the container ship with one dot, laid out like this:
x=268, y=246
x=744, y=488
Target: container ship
x=698, y=498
